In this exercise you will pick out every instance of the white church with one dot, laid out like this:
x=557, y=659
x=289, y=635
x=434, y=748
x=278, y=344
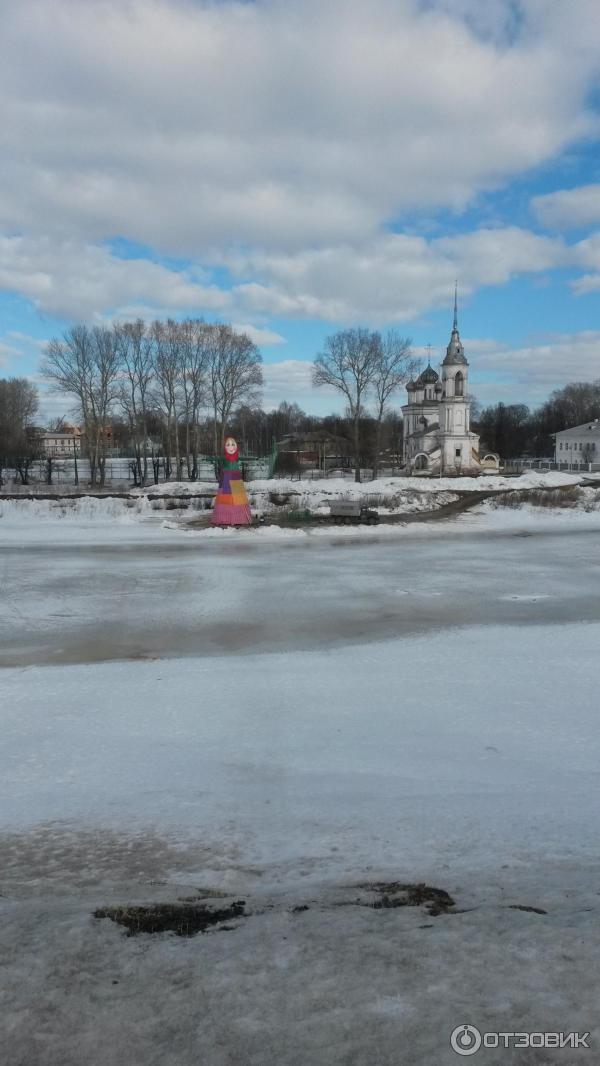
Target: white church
x=437, y=437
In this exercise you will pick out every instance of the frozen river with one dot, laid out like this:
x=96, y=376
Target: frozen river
x=284, y=720
x=76, y=602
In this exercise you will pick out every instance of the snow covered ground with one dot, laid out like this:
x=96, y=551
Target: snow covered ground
x=391, y=496
x=281, y=719
x=530, y=480
x=344, y=486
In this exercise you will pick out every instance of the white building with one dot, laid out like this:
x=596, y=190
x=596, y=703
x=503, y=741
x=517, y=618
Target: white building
x=578, y=446
x=60, y=445
x=437, y=435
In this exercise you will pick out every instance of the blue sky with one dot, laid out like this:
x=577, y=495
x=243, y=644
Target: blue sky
x=295, y=167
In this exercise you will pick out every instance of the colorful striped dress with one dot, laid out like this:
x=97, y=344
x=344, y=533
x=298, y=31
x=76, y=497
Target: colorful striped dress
x=231, y=504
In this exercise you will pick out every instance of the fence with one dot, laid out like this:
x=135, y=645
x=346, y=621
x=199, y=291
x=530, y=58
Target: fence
x=120, y=471
x=518, y=465
x=315, y=474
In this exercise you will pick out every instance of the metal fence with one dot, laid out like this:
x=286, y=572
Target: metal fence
x=518, y=465
x=314, y=474
x=63, y=473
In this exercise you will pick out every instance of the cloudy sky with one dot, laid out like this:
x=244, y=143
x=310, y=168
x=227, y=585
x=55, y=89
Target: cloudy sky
x=294, y=166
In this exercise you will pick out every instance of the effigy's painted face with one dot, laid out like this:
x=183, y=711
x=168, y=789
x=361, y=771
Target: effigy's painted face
x=230, y=446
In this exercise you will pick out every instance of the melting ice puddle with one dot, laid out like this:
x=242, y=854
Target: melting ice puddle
x=525, y=598
x=415, y=592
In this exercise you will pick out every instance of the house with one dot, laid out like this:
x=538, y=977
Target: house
x=579, y=445
x=437, y=434
x=317, y=449
x=59, y=445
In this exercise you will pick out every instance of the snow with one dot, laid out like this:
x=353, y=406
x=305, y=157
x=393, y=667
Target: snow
x=282, y=722
x=344, y=744
x=84, y=520
x=341, y=486
x=336, y=486
x=84, y=507
x=177, y=488
x=391, y=496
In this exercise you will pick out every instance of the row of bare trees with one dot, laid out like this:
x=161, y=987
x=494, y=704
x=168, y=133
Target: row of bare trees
x=18, y=407
x=365, y=367
x=176, y=370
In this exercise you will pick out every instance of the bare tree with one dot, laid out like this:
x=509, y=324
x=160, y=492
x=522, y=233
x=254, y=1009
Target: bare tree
x=85, y=365
x=167, y=385
x=395, y=365
x=194, y=351
x=18, y=444
x=135, y=351
x=234, y=376
x=57, y=425
x=349, y=364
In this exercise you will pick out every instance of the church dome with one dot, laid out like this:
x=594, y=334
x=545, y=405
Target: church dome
x=428, y=377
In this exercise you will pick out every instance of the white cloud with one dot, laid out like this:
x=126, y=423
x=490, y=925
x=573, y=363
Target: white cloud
x=585, y=284
x=76, y=280
x=26, y=338
x=569, y=208
x=587, y=255
x=261, y=336
x=392, y=278
x=529, y=373
x=283, y=140
x=193, y=125
x=291, y=380
x=7, y=354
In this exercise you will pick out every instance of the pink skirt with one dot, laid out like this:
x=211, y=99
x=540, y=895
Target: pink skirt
x=231, y=514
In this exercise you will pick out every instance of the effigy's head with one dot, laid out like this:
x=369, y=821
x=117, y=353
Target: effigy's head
x=231, y=448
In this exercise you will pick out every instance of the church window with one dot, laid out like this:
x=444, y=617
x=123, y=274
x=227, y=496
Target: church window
x=457, y=453
x=458, y=384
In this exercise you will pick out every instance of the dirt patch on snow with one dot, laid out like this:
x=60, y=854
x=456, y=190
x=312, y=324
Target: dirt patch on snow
x=390, y=894
x=525, y=907
x=184, y=919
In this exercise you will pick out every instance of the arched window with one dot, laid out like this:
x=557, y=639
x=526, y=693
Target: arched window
x=459, y=384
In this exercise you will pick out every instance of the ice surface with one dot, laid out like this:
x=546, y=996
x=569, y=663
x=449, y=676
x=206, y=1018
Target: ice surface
x=168, y=593
x=312, y=712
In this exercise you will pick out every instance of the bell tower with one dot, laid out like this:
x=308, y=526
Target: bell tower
x=459, y=445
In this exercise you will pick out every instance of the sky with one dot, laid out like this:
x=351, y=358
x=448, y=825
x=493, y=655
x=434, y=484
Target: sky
x=296, y=167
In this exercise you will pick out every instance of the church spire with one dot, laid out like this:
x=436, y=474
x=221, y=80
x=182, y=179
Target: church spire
x=455, y=352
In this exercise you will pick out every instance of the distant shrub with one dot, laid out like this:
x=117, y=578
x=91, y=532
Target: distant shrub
x=286, y=463
x=571, y=496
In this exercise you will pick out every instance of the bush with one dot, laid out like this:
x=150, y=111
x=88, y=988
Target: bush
x=572, y=496
x=286, y=463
